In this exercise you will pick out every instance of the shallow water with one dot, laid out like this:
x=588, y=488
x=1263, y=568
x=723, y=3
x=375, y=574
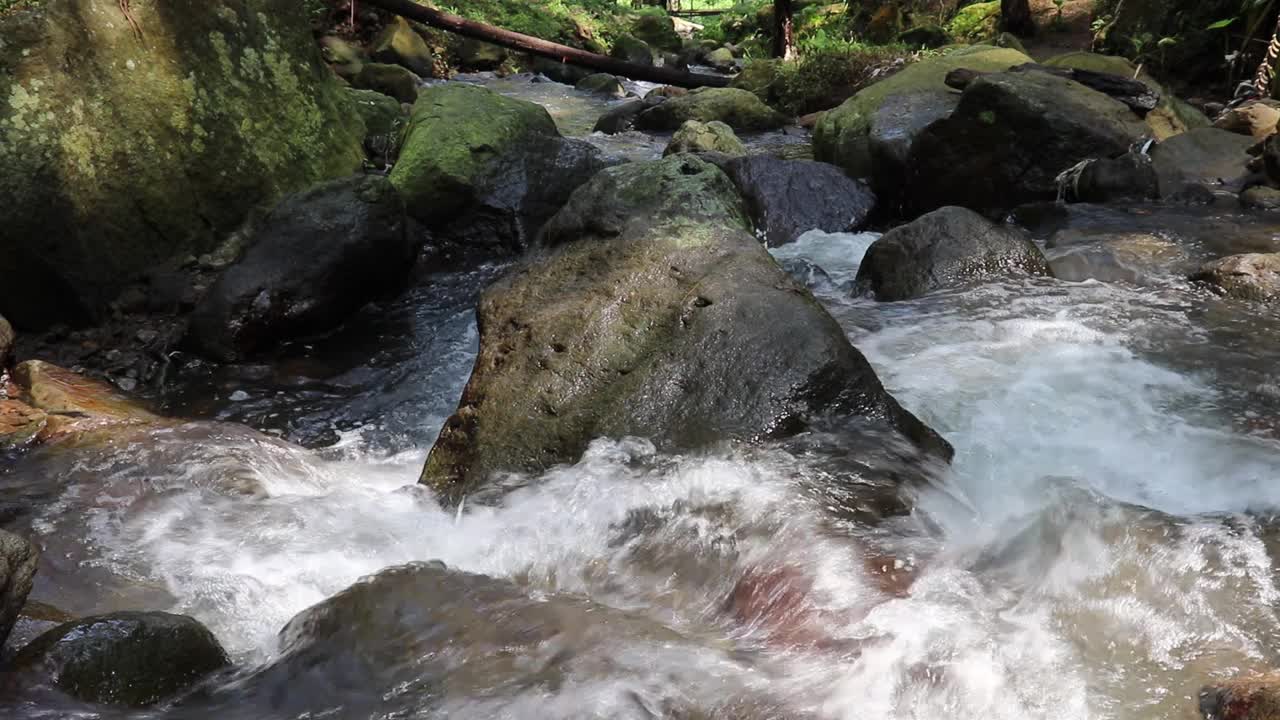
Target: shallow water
x=1101, y=547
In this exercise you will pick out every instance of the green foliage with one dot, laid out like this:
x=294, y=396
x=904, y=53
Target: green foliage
x=976, y=22
x=828, y=71
x=580, y=23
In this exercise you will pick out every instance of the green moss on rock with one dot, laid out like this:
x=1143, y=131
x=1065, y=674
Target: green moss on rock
x=117, y=152
x=739, y=109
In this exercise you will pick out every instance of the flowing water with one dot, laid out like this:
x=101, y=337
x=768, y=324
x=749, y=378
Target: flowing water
x=1102, y=546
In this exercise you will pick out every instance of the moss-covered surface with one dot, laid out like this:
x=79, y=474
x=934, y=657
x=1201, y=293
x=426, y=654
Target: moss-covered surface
x=121, y=146
x=739, y=109
x=976, y=22
x=841, y=136
x=1171, y=117
x=713, y=137
x=590, y=24
x=454, y=136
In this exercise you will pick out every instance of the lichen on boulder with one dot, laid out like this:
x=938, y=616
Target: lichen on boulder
x=120, y=148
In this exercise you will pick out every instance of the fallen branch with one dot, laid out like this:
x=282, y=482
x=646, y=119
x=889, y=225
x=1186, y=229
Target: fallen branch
x=535, y=46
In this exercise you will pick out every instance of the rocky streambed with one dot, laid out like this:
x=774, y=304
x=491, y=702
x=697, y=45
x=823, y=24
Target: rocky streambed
x=563, y=428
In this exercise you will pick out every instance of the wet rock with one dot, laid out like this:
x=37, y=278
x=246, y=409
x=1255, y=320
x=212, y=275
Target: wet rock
x=658, y=31
x=761, y=78
x=1133, y=257
x=1257, y=119
x=666, y=91
x=736, y=108
x=787, y=198
x=1253, y=276
x=20, y=424
x=390, y=80
x=560, y=72
x=643, y=319
x=697, y=137
x=1171, y=117
x=58, y=391
x=1010, y=138
x=482, y=172
x=477, y=55
x=18, y=561
x=943, y=249
x=1131, y=176
x=7, y=336
x=1211, y=157
x=399, y=44
x=721, y=60
x=1261, y=197
x=602, y=84
x=316, y=259
x=871, y=134
x=127, y=659
x=1255, y=697
x=384, y=118
x=157, y=163
x=623, y=117
x=632, y=50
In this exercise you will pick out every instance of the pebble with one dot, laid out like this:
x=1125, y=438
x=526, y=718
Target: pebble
x=126, y=384
x=147, y=336
x=239, y=396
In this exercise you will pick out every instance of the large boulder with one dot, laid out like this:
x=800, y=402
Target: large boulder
x=1253, y=276
x=58, y=391
x=483, y=171
x=643, y=319
x=658, y=31
x=18, y=561
x=127, y=659
x=390, y=80
x=1171, y=117
x=125, y=144
x=698, y=137
x=721, y=60
x=1248, y=697
x=1010, y=138
x=478, y=55
x=400, y=44
x=632, y=50
x=1257, y=119
x=871, y=134
x=787, y=198
x=739, y=109
x=1208, y=156
x=316, y=259
x=7, y=336
x=384, y=120
x=946, y=248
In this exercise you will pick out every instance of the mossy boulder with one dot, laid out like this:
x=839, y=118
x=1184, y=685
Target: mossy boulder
x=602, y=84
x=657, y=31
x=1010, y=138
x=721, y=60
x=739, y=109
x=697, y=137
x=976, y=22
x=400, y=44
x=479, y=55
x=643, y=319
x=118, y=152
x=1171, y=117
x=762, y=78
x=382, y=114
x=127, y=659
x=391, y=80
x=1253, y=276
x=871, y=134
x=632, y=50
x=483, y=171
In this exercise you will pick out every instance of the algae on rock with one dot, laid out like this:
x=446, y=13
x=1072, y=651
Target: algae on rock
x=122, y=148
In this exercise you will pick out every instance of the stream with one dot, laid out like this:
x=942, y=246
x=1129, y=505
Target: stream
x=1102, y=546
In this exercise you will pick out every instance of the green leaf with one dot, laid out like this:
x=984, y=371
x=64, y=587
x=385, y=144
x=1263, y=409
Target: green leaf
x=1222, y=23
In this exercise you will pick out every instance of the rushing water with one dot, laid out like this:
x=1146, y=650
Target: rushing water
x=1101, y=547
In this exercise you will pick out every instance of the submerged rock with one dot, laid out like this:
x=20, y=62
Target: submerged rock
x=121, y=153
x=18, y=561
x=644, y=319
x=127, y=659
x=1010, y=138
x=871, y=134
x=483, y=171
x=1253, y=276
x=787, y=198
x=316, y=259
x=945, y=248
x=1261, y=197
x=1255, y=697
x=1137, y=258
x=739, y=109
x=698, y=137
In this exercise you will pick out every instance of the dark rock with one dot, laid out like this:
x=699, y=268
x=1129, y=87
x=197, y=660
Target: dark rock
x=1271, y=158
x=645, y=320
x=739, y=109
x=127, y=659
x=384, y=119
x=7, y=336
x=1010, y=138
x=1211, y=157
x=623, y=117
x=18, y=561
x=477, y=55
x=602, y=84
x=946, y=248
x=1131, y=176
x=928, y=36
x=787, y=198
x=1253, y=276
x=392, y=80
x=633, y=50
x=482, y=172
x=657, y=31
x=318, y=257
x=560, y=72
x=1255, y=697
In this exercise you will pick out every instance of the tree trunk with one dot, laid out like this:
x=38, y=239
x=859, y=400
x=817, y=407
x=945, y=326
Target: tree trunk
x=1015, y=17
x=534, y=46
x=783, y=30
